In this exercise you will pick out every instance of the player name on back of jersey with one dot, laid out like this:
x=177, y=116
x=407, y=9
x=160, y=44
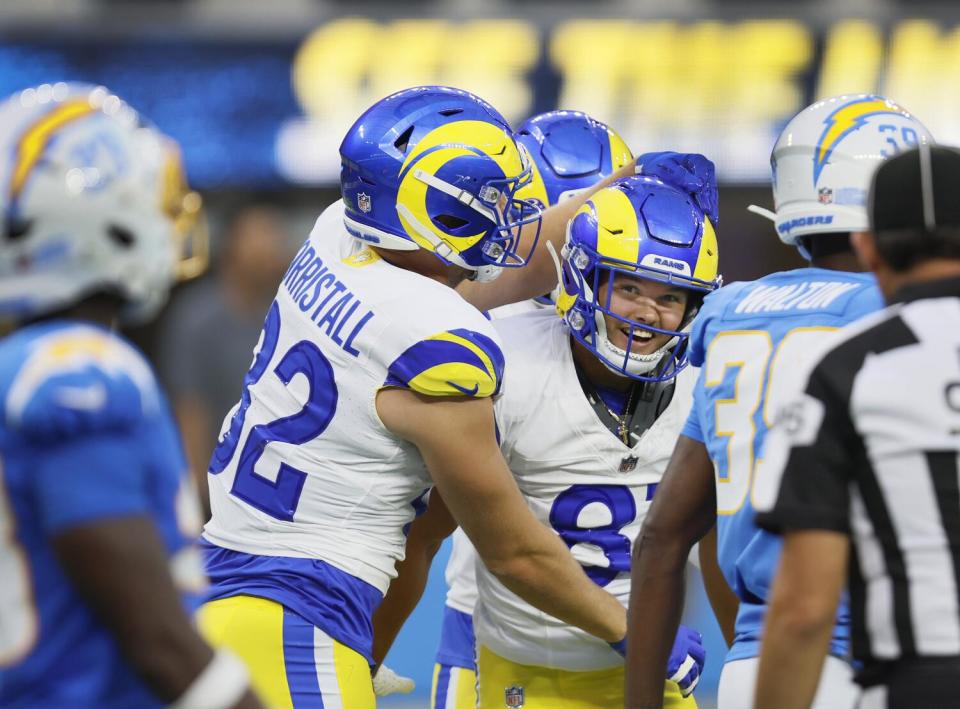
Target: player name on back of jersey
x=806, y=295
x=326, y=300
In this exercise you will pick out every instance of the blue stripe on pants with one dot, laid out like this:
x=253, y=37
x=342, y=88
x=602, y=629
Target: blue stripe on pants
x=300, y=663
x=443, y=684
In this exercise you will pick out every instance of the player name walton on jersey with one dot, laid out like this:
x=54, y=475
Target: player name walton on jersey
x=306, y=279
x=808, y=295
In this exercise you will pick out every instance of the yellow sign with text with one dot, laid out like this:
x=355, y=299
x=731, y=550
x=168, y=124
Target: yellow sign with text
x=722, y=88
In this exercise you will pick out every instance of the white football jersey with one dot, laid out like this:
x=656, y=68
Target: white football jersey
x=459, y=574
x=304, y=467
x=579, y=479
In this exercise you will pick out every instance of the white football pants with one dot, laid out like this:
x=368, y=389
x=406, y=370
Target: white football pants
x=738, y=682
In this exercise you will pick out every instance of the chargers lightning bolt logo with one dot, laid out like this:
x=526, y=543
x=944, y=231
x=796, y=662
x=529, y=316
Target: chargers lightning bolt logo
x=843, y=121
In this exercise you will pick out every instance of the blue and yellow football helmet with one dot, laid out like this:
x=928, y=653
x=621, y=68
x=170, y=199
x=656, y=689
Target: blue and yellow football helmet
x=437, y=168
x=644, y=228
x=570, y=151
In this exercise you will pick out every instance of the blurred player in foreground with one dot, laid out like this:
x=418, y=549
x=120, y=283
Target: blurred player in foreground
x=372, y=382
x=746, y=338
x=97, y=512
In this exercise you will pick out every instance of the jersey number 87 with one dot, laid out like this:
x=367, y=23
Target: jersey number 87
x=615, y=502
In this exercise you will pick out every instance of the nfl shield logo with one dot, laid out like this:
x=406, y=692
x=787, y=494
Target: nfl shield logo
x=628, y=464
x=513, y=697
x=825, y=195
x=364, y=203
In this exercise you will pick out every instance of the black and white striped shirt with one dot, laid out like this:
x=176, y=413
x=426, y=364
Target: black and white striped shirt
x=871, y=448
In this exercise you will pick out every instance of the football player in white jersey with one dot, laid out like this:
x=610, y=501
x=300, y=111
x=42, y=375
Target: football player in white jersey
x=569, y=151
x=371, y=383
x=587, y=421
x=590, y=410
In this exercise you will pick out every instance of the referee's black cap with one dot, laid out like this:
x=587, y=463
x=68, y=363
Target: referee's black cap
x=917, y=190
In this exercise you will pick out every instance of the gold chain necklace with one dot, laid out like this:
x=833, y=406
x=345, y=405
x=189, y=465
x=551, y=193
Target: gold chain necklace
x=623, y=429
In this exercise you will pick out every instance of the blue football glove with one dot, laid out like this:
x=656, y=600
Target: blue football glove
x=689, y=172
x=686, y=660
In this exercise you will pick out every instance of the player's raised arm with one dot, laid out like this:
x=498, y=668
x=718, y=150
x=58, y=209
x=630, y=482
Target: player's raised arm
x=683, y=511
x=689, y=172
x=540, y=274
x=482, y=495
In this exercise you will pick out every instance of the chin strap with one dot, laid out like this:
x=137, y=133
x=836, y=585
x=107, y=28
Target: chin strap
x=556, y=262
x=635, y=363
x=461, y=196
x=481, y=274
x=486, y=274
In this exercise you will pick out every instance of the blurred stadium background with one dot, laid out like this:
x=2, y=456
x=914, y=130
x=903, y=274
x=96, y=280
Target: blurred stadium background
x=260, y=93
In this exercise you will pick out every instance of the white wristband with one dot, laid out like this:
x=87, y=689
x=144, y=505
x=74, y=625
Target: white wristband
x=683, y=670
x=220, y=685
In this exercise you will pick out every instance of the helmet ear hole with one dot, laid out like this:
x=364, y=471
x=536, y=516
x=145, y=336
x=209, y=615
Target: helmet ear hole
x=447, y=112
x=450, y=221
x=403, y=140
x=121, y=236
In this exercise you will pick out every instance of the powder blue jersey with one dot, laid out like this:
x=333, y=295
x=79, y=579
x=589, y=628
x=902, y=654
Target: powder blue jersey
x=748, y=338
x=85, y=434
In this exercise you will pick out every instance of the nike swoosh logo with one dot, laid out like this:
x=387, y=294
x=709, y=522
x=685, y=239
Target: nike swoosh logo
x=464, y=390
x=86, y=398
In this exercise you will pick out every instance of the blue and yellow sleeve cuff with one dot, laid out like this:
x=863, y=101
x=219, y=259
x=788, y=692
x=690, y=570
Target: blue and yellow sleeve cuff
x=452, y=363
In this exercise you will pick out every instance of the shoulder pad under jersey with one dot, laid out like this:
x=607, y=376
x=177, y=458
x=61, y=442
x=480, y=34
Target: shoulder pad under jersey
x=457, y=362
x=76, y=380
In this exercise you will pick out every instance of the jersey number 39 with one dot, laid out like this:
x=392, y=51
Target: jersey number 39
x=616, y=505
x=763, y=379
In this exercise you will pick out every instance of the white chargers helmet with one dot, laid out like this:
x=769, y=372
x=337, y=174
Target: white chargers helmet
x=824, y=159
x=93, y=200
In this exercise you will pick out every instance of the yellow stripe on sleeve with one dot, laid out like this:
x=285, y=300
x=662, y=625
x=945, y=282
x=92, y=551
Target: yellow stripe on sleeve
x=450, y=337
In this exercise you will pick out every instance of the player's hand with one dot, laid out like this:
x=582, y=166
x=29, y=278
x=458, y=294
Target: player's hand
x=690, y=172
x=386, y=681
x=686, y=660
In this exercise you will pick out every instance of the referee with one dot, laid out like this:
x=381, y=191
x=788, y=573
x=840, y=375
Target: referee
x=861, y=472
